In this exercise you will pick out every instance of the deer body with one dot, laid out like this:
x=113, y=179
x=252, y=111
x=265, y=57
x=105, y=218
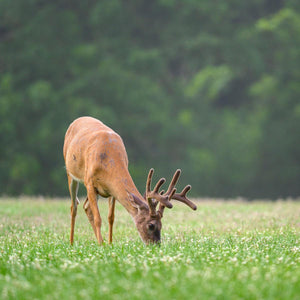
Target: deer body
x=95, y=155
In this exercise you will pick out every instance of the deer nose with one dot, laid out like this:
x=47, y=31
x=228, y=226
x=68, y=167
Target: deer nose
x=157, y=235
x=153, y=241
x=156, y=239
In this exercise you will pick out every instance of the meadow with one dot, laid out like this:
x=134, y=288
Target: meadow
x=224, y=250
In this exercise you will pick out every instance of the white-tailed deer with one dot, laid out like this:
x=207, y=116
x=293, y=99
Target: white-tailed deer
x=95, y=155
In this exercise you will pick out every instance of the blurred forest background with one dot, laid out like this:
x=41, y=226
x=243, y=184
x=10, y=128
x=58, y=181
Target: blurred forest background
x=208, y=86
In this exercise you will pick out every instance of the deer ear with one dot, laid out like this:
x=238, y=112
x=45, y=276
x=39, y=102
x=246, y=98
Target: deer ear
x=137, y=202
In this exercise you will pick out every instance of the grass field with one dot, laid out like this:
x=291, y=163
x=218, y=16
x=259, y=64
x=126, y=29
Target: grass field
x=224, y=250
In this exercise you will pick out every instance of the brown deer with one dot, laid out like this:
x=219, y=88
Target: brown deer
x=95, y=155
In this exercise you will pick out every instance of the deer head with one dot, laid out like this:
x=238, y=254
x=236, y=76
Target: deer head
x=148, y=218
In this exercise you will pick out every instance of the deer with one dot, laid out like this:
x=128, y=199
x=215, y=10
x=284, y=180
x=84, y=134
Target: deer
x=95, y=155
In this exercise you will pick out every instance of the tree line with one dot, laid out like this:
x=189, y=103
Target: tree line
x=210, y=87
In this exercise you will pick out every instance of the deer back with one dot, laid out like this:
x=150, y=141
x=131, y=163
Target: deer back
x=95, y=153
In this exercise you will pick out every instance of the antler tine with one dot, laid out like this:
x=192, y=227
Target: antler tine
x=150, y=195
x=173, y=182
x=149, y=178
x=157, y=186
x=151, y=204
x=177, y=196
x=182, y=198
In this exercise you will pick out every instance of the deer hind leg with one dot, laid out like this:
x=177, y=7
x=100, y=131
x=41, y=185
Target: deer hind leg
x=73, y=188
x=92, y=200
x=111, y=217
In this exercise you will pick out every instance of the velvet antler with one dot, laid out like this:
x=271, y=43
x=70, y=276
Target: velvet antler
x=177, y=196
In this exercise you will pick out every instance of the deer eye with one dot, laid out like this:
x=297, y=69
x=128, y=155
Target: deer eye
x=151, y=226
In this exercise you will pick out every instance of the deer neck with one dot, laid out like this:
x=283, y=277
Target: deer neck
x=121, y=189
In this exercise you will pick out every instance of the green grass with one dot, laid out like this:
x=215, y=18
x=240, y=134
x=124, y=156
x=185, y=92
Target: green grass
x=224, y=250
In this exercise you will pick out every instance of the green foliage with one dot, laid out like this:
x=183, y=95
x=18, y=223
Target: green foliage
x=211, y=88
x=225, y=250
x=209, y=82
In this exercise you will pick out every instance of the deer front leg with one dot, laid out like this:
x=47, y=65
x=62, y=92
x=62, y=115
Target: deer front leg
x=92, y=199
x=111, y=217
x=73, y=188
x=88, y=211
